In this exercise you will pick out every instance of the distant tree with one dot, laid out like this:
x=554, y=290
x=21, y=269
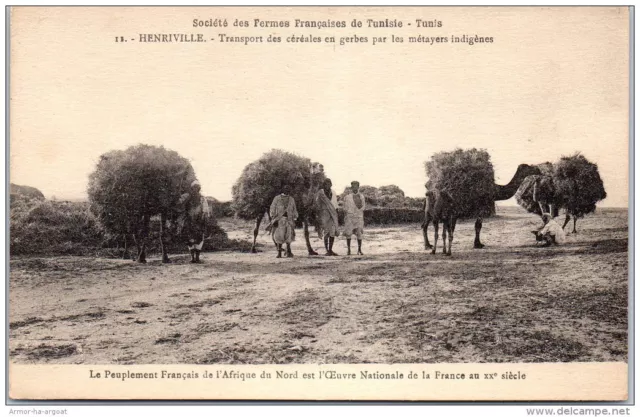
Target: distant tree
x=264, y=179
x=391, y=196
x=26, y=192
x=129, y=187
x=370, y=195
x=414, y=203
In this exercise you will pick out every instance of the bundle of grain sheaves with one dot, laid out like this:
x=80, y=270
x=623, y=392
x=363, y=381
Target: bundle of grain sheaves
x=468, y=176
x=537, y=188
x=573, y=183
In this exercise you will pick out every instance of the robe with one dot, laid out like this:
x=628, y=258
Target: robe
x=283, y=212
x=555, y=230
x=354, y=215
x=327, y=214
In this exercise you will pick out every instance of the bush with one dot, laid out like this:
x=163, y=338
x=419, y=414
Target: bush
x=70, y=228
x=380, y=216
x=54, y=228
x=468, y=176
x=220, y=208
x=385, y=196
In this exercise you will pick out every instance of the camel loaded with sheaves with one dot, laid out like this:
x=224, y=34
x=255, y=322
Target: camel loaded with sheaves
x=573, y=183
x=264, y=179
x=461, y=186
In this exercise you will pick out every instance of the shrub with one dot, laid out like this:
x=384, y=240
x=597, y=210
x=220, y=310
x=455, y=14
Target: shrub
x=220, y=208
x=54, y=228
x=383, y=215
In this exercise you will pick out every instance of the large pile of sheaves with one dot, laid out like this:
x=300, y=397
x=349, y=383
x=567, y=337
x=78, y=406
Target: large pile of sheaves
x=579, y=184
x=572, y=183
x=536, y=188
x=468, y=176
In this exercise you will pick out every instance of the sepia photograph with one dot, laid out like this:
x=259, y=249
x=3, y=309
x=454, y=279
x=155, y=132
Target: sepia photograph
x=344, y=193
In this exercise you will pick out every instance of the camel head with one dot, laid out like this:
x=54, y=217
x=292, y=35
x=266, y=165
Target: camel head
x=317, y=176
x=505, y=192
x=524, y=170
x=316, y=168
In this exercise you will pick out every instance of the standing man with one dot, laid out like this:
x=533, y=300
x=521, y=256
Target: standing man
x=326, y=205
x=283, y=216
x=354, y=216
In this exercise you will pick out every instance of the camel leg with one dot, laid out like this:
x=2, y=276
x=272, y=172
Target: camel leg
x=273, y=235
x=331, y=241
x=425, y=226
x=566, y=220
x=476, y=243
x=445, y=226
x=255, y=233
x=435, y=237
x=165, y=257
x=575, y=219
x=306, y=238
x=451, y=227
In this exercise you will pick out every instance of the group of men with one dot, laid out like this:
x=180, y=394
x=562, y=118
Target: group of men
x=283, y=214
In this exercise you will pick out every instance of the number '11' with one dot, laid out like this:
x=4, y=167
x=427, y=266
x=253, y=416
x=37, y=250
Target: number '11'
x=119, y=38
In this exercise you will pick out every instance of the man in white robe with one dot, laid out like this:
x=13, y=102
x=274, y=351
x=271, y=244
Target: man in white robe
x=551, y=233
x=283, y=214
x=354, y=216
x=326, y=205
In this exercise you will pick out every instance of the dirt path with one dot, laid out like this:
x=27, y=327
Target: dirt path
x=508, y=303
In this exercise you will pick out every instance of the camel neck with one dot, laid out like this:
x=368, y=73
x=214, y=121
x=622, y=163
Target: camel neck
x=505, y=192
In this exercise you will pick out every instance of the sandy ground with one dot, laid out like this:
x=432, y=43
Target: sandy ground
x=510, y=302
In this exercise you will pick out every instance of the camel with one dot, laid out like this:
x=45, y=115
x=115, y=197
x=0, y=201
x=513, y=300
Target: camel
x=305, y=202
x=187, y=220
x=439, y=207
x=538, y=194
x=500, y=192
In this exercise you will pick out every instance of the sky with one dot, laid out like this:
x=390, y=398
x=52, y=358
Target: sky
x=553, y=82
